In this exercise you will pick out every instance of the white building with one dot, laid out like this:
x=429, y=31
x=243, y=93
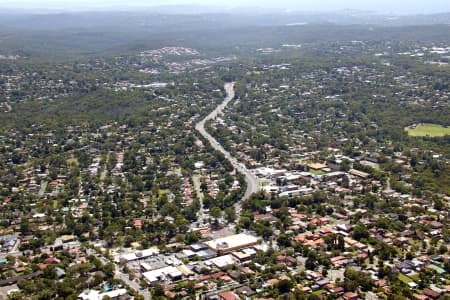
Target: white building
x=232, y=243
x=141, y=254
x=163, y=274
x=96, y=295
x=222, y=261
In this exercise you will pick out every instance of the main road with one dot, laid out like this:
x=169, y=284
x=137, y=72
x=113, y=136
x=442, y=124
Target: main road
x=250, y=178
x=132, y=284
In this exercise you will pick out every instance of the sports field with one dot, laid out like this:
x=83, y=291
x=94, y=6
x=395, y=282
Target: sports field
x=430, y=130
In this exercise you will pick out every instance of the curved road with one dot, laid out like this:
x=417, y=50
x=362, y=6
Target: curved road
x=250, y=178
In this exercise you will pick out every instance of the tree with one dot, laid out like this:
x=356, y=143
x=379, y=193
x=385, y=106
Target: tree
x=245, y=222
x=345, y=166
x=284, y=240
x=15, y=295
x=109, y=269
x=25, y=227
x=284, y=286
x=310, y=263
x=158, y=291
x=64, y=289
x=215, y=212
x=360, y=232
x=341, y=243
x=357, y=278
x=230, y=214
x=443, y=249
x=439, y=204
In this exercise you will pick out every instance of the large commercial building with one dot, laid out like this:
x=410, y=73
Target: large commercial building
x=232, y=243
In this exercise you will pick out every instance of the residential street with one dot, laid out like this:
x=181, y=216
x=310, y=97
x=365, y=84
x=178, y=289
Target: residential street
x=250, y=178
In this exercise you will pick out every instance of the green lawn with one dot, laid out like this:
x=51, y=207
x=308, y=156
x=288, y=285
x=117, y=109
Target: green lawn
x=163, y=192
x=405, y=279
x=72, y=161
x=319, y=292
x=316, y=172
x=430, y=130
x=415, y=277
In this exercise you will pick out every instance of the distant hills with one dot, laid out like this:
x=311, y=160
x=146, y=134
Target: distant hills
x=171, y=17
x=89, y=33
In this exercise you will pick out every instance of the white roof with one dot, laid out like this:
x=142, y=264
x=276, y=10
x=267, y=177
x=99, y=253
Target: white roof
x=263, y=247
x=155, y=275
x=232, y=241
x=292, y=177
x=96, y=295
x=223, y=261
x=140, y=254
x=269, y=188
x=265, y=171
x=188, y=253
x=146, y=266
x=249, y=251
x=199, y=164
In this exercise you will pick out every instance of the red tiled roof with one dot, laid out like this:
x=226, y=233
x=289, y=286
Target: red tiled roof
x=228, y=296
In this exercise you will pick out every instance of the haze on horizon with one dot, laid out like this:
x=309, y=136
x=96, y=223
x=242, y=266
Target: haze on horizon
x=379, y=6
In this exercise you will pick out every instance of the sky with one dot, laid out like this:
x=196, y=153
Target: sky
x=382, y=6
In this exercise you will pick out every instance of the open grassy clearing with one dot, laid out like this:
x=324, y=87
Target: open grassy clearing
x=430, y=130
